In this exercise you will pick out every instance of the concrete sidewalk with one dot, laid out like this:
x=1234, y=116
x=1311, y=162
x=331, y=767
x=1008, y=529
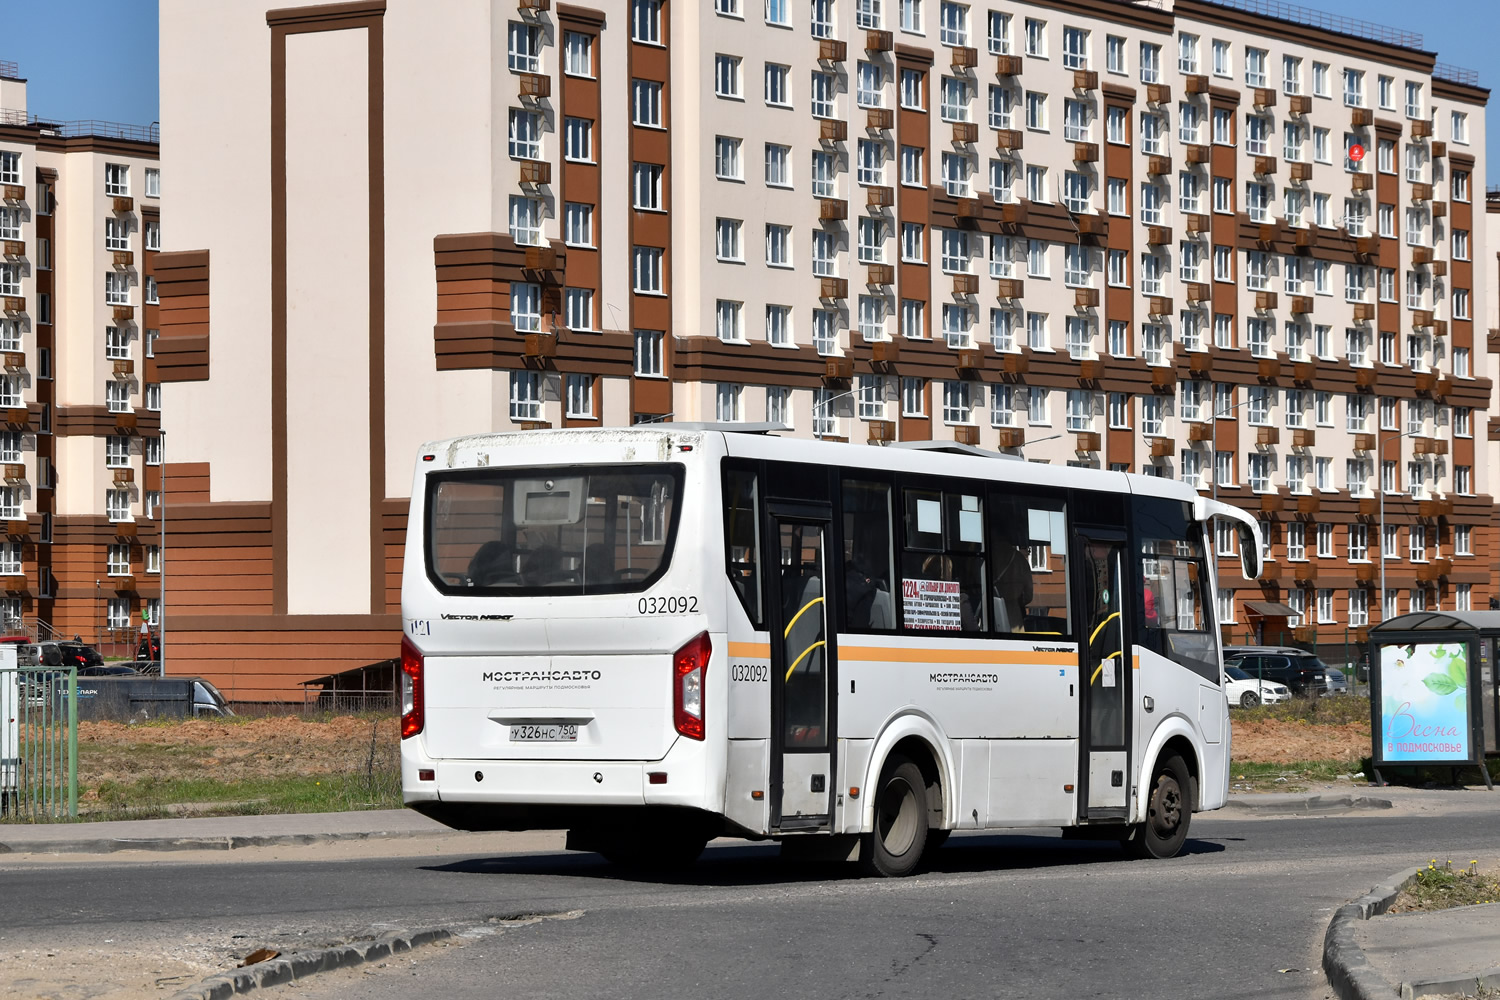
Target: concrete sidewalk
x=1440, y=952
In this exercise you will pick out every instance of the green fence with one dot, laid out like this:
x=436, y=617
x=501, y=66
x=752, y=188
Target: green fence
x=38, y=744
x=1342, y=649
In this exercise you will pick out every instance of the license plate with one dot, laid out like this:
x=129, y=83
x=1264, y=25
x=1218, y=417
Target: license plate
x=544, y=734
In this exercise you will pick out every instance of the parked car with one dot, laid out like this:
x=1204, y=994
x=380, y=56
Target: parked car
x=108, y=670
x=1245, y=691
x=27, y=654
x=125, y=698
x=150, y=648
x=1298, y=669
x=70, y=653
x=1338, y=681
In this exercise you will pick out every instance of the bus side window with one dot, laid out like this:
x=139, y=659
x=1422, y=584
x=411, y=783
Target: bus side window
x=742, y=539
x=942, y=566
x=1029, y=556
x=869, y=565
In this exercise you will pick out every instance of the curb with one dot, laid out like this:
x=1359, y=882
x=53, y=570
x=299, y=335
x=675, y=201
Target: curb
x=1309, y=805
x=1491, y=978
x=1349, y=972
x=109, y=845
x=280, y=970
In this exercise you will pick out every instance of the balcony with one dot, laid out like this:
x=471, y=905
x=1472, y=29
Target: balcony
x=878, y=41
x=1198, y=223
x=1299, y=171
x=1435, y=507
x=880, y=274
x=14, y=361
x=125, y=529
x=18, y=417
x=1010, y=288
x=1198, y=292
x=832, y=51
x=832, y=130
x=1364, y=312
x=1298, y=104
x=1088, y=441
x=1159, y=235
x=123, y=584
x=1158, y=93
x=1421, y=128
x=18, y=529
x=1012, y=437
x=833, y=288
x=1369, y=506
x=1200, y=431
x=1266, y=233
x=1009, y=139
x=124, y=477
x=1090, y=224
x=123, y=259
x=13, y=192
x=838, y=369
x=1159, y=305
x=1159, y=166
x=13, y=248
x=1361, y=182
x=123, y=205
x=1439, y=209
x=1365, y=378
x=1364, y=442
x=123, y=314
x=536, y=172
x=1266, y=300
x=1421, y=318
x=1267, y=435
x=1263, y=97
x=880, y=119
x=124, y=367
x=1301, y=304
x=13, y=304
x=965, y=284
x=536, y=6
x=1200, y=363
x=1163, y=447
x=970, y=360
x=1268, y=368
x=1008, y=65
x=540, y=345
x=1085, y=152
x=535, y=85
x=1271, y=503
x=1365, y=573
x=832, y=210
x=1305, y=239
x=1196, y=154
x=1265, y=165
x=1439, y=150
x=1014, y=364
x=1425, y=382
x=1085, y=79
x=965, y=133
x=1090, y=369
x=14, y=472
x=880, y=197
x=1163, y=379
x=966, y=434
x=1421, y=192
x=1306, y=572
x=1195, y=83
x=1439, y=327
x=1085, y=298
x=1361, y=117
x=14, y=584
x=1421, y=255
x=1429, y=446
x=1434, y=571
x=542, y=258
x=885, y=352
x=963, y=57
x=1304, y=437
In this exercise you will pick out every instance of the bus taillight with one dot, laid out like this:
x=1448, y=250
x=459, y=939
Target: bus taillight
x=411, y=689
x=689, y=669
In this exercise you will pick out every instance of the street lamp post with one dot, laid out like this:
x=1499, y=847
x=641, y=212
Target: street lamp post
x=1215, y=445
x=1380, y=489
x=825, y=405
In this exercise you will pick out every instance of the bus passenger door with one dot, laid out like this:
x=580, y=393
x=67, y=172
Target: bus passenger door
x=802, y=659
x=1104, y=771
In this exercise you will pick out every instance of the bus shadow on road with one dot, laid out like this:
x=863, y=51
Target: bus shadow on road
x=762, y=865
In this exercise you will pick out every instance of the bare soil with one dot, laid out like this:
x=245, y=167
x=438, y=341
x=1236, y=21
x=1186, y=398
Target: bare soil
x=1276, y=741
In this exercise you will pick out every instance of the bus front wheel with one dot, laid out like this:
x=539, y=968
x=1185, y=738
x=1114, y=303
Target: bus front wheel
x=895, y=847
x=1169, y=810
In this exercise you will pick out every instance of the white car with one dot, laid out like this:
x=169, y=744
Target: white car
x=1241, y=689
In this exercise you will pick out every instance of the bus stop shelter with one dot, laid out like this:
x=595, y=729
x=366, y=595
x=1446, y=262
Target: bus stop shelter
x=1432, y=690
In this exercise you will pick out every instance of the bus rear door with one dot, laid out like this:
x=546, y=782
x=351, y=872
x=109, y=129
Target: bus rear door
x=1105, y=673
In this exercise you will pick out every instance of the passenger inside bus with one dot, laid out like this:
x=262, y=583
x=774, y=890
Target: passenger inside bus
x=1012, y=591
x=493, y=563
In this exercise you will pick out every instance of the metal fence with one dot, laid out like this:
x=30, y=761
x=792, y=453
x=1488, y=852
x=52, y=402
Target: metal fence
x=38, y=744
x=1346, y=651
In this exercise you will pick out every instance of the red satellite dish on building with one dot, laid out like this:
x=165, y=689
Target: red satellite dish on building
x=1356, y=152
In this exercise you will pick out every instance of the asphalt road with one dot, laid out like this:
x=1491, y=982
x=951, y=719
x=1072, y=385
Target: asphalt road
x=1019, y=915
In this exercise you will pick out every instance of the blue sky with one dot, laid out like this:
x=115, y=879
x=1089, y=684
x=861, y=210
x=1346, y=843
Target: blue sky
x=97, y=58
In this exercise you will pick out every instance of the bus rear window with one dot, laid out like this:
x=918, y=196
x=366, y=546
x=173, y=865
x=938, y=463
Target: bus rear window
x=574, y=530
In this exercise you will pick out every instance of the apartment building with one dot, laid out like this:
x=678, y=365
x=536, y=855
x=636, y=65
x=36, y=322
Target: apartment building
x=1187, y=239
x=80, y=450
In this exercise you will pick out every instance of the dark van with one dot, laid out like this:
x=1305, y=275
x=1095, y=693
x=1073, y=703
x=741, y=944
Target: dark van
x=124, y=698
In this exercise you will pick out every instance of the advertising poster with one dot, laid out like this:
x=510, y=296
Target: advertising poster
x=931, y=604
x=1424, y=706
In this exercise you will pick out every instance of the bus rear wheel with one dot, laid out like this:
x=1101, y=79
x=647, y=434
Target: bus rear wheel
x=1169, y=811
x=895, y=847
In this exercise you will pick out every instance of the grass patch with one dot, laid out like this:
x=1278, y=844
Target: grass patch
x=152, y=798
x=1295, y=777
x=1334, y=711
x=1440, y=886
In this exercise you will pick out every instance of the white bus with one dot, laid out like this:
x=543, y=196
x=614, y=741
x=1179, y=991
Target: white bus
x=650, y=637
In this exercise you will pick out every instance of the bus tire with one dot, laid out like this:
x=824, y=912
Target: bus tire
x=1249, y=700
x=895, y=847
x=1169, y=811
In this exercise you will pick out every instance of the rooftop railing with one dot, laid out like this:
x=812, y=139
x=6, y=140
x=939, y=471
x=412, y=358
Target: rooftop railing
x=83, y=127
x=1456, y=74
x=1328, y=22
x=10, y=70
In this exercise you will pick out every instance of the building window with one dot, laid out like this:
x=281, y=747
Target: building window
x=117, y=180
x=116, y=451
x=648, y=353
x=727, y=244
x=578, y=308
x=153, y=449
x=868, y=86
x=116, y=395
x=645, y=21
x=645, y=103
x=728, y=324
x=578, y=54
x=116, y=289
x=646, y=269
x=525, y=135
x=578, y=139
x=525, y=47
x=778, y=85
x=913, y=397
x=578, y=224
x=525, y=396
x=958, y=405
x=116, y=504
x=526, y=306
x=118, y=562
x=872, y=318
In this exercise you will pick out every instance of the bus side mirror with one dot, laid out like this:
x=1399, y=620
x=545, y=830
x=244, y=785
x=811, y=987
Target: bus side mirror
x=1249, y=551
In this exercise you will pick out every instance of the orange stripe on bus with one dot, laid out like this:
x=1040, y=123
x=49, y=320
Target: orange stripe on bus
x=889, y=654
x=751, y=650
